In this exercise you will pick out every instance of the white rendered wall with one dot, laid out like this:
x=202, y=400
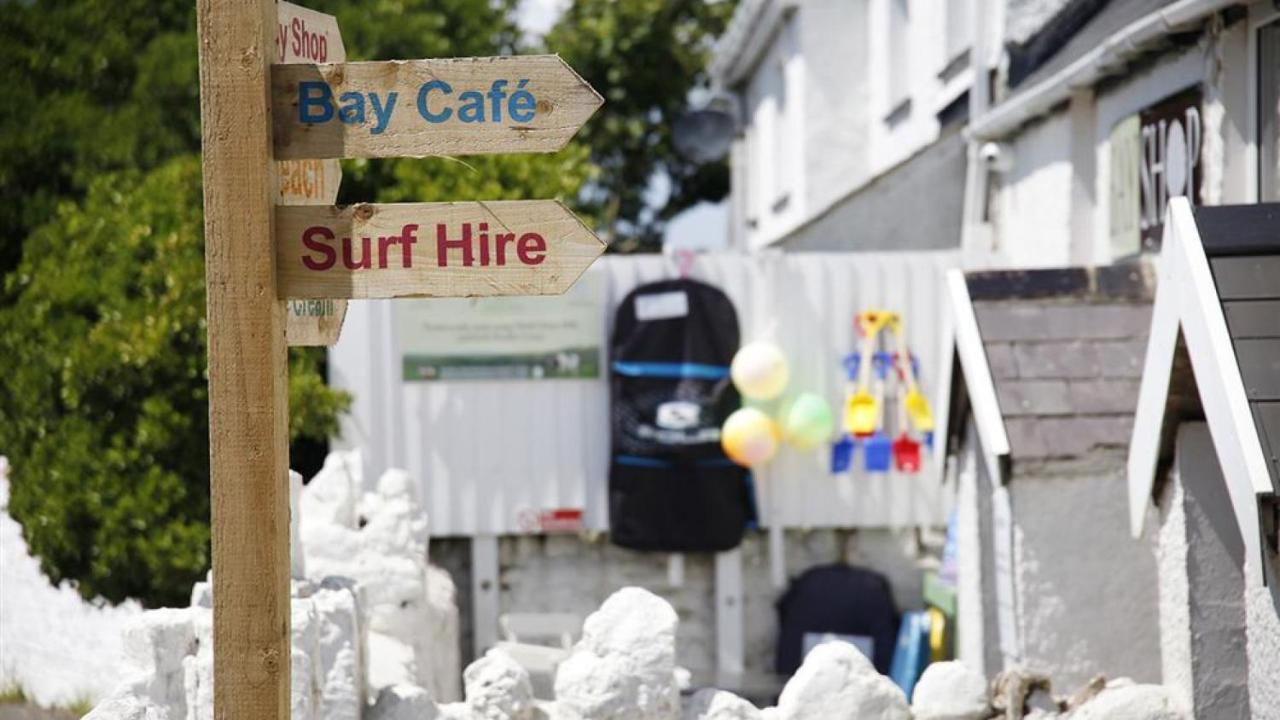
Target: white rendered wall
x=54, y=646
x=1033, y=202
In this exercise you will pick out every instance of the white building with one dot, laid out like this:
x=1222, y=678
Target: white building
x=851, y=111
x=1046, y=138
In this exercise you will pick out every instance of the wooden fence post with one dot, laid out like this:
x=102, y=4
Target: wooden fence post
x=248, y=371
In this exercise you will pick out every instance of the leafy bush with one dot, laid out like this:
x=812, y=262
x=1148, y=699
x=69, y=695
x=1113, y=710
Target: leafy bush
x=103, y=400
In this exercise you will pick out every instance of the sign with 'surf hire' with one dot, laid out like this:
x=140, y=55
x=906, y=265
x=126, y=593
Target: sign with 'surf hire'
x=462, y=249
x=307, y=36
x=417, y=108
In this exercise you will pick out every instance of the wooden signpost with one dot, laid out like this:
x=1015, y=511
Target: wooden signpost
x=274, y=241
x=307, y=36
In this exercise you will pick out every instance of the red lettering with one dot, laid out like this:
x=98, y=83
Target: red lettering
x=500, y=243
x=484, y=243
x=326, y=252
x=407, y=239
x=443, y=244
x=365, y=259
x=529, y=244
x=298, y=28
x=385, y=242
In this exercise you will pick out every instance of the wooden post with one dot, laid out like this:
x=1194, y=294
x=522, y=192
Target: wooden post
x=248, y=414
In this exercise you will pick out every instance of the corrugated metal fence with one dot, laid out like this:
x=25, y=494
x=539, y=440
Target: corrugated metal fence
x=484, y=454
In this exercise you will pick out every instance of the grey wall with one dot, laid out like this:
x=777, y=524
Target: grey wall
x=916, y=206
x=1215, y=579
x=1086, y=592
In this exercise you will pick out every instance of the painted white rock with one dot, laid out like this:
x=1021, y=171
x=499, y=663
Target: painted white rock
x=1133, y=702
x=125, y=706
x=712, y=704
x=497, y=688
x=330, y=497
x=838, y=682
x=623, y=668
x=950, y=691
x=403, y=702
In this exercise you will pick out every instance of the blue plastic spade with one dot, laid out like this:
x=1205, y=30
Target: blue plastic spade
x=878, y=449
x=842, y=455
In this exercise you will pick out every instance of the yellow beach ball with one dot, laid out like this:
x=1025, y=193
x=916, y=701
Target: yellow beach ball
x=749, y=437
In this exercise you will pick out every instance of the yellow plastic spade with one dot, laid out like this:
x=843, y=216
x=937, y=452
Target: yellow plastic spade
x=917, y=404
x=862, y=410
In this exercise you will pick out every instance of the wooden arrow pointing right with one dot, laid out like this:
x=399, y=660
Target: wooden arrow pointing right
x=463, y=249
x=416, y=108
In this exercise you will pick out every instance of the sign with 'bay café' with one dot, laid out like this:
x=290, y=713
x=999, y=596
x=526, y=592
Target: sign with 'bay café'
x=272, y=232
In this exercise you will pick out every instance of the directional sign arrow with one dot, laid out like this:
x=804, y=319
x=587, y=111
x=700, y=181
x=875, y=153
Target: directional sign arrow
x=463, y=249
x=416, y=108
x=307, y=36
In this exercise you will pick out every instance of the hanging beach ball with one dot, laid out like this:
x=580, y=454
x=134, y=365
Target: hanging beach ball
x=759, y=371
x=808, y=421
x=749, y=437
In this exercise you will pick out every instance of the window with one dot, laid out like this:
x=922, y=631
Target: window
x=899, y=53
x=959, y=28
x=1269, y=112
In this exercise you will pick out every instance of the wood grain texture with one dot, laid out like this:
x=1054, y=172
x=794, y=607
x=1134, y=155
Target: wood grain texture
x=563, y=101
x=304, y=36
x=570, y=247
x=248, y=393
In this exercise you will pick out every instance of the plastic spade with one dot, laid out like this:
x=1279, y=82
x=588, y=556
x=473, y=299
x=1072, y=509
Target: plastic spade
x=842, y=454
x=906, y=451
x=878, y=449
x=917, y=404
x=862, y=411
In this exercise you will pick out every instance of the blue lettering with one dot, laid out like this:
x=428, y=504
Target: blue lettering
x=314, y=93
x=352, y=110
x=382, y=113
x=473, y=110
x=496, y=94
x=424, y=109
x=521, y=107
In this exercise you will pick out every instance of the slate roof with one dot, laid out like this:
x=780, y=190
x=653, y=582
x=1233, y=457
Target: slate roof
x=1066, y=350
x=1242, y=243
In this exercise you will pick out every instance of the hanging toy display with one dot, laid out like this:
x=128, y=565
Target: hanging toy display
x=759, y=371
x=871, y=408
x=749, y=437
x=807, y=422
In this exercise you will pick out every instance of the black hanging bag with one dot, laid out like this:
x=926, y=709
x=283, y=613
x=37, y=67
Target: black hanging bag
x=671, y=488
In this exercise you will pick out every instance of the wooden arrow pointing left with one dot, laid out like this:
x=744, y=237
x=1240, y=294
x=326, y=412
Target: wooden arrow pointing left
x=305, y=36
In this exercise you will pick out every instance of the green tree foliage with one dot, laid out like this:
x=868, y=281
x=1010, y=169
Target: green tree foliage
x=643, y=56
x=103, y=403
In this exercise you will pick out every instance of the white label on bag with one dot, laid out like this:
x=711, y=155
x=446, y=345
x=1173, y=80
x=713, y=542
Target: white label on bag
x=662, y=306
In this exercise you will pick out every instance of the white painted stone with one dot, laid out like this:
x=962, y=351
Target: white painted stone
x=331, y=496
x=403, y=702
x=623, y=668
x=298, y=559
x=837, y=682
x=155, y=644
x=1134, y=702
x=57, y=647
x=380, y=539
x=950, y=691
x=498, y=688
x=126, y=706
x=712, y=704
